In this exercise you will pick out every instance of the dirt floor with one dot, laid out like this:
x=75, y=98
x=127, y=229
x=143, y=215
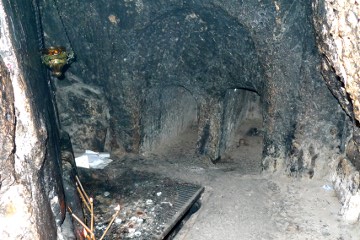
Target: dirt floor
x=240, y=202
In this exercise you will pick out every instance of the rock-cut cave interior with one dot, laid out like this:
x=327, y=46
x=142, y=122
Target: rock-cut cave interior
x=179, y=119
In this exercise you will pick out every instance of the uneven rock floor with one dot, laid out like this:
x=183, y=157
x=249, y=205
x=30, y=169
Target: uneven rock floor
x=240, y=202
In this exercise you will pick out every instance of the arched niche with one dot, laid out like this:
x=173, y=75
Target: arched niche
x=166, y=113
x=236, y=106
x=242, y=127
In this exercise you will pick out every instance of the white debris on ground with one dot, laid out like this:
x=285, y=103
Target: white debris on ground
x=136, y=220
x=91, y=159
x=149, y=203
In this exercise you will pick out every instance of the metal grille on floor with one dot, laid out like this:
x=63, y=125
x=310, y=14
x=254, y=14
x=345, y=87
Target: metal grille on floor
x=152, y=205
x=187, y=195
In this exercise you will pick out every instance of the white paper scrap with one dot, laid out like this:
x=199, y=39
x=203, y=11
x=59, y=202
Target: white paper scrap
x=91, y=159
x=82, y=161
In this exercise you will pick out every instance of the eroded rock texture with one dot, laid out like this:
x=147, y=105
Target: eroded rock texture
x=337, y=27
x=84, y=113
x=336, y=23
x=7, y=121
x=31, y=195
x=138, y=53
x=338, y=35
x=147, y=70
x=346, y=183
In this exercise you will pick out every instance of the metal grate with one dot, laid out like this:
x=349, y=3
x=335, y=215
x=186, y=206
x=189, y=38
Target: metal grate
x=187, y=195
x=152, y=205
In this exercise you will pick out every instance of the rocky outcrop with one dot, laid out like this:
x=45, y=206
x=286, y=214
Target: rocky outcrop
x=337, y=28
x=346, y=184
x=336, y=23
x=84, y=113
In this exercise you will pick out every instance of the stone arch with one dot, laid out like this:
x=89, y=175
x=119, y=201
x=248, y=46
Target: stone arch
x=204, y=50
x=220, y=119
x=239, y=105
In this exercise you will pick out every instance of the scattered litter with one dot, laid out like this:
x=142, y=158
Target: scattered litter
x=145, y=212
x=106, y=194
x=91, y=159
x=327, y=187
x=100, y=227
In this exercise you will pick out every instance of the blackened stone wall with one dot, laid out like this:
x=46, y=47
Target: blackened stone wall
x=129, y=48
x=31, y=194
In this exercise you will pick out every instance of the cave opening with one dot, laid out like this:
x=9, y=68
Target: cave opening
x=242, y=131
x=170, y=127
x=222, y=103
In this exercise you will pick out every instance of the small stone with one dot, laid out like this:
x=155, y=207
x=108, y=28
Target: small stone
x=113, y=19
x=140, y=213
x=118, y=221
x=100, y=227
x=158, y=194
x=133, y=219
x=100, y=199
x=149, y=202
x=106, y=194
x=137, y=234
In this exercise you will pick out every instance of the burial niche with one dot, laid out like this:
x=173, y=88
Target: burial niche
x=166, y=113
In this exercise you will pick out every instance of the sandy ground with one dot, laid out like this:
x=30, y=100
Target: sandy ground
x=240, y=202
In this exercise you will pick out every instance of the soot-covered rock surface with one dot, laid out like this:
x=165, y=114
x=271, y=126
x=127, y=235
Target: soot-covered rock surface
x=32, y=204
x=139, y=55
